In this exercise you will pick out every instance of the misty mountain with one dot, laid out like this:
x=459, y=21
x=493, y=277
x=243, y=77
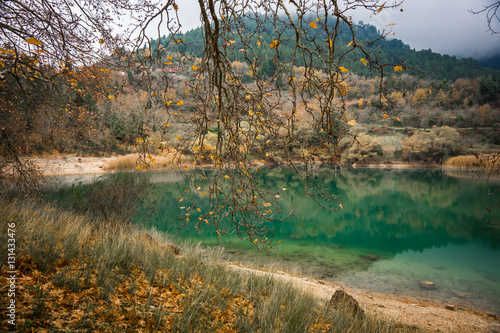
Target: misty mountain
x=428, y=64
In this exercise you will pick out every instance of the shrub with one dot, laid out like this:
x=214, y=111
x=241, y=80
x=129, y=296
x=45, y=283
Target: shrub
x=436, y=145
x=364, y=148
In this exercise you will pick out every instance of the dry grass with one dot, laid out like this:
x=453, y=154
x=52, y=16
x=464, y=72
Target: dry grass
x=132, y=162
x=471, y=163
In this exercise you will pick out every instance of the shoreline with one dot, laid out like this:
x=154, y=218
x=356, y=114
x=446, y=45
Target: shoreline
x=67, y=165
x=426, y=315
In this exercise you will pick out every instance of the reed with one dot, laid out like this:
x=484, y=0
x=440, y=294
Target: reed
x=133, y=162
x=472, y=163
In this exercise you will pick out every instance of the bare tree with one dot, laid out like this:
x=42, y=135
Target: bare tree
x=52, y=54
x=492, y=17
x=259, y=119
x=249, y=117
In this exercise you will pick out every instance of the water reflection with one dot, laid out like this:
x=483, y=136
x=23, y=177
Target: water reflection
x=396, y=228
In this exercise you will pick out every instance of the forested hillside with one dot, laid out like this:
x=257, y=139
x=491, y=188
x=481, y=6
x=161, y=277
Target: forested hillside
x=427, y=64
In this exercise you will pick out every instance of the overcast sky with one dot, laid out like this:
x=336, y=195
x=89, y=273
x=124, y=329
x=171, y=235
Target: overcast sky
x=444, y=26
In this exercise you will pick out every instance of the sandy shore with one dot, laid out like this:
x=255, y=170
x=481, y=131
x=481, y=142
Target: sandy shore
x=71, y=165
x=430, y=317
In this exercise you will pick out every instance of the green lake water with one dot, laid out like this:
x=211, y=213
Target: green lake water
x=419, y=225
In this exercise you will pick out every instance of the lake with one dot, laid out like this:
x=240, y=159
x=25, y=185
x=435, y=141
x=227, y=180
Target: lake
x=397, y=228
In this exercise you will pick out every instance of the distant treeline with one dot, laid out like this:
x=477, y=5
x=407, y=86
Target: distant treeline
x=428, y=64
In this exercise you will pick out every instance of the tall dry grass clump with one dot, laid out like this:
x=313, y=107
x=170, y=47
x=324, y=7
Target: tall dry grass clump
x=474, y=163
x=133, y=162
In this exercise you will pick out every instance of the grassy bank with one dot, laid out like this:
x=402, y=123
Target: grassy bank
x=76, y=272
x=489, y=163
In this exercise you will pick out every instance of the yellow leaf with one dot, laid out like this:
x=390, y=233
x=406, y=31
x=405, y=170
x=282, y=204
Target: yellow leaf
x=330, y=42
x=274, y=44
x=350, y=43
x=181, y=200
x=340, y=205
x=101, y=41
x=226, y=176
x=168, y=104
x=111, y=96
x=385, y=116
x=313, y=25
x=380, y=9
x=284, y=189
x=364, y=61
x=267, y=204
x=256, y=240
x=180, y=102
x=34, y=41
x=169, y=58
x=149, y=157
x=203, y=193
x=153, y=160
x=175, y=6
x=140, y=140
x=398, y=68
x=250, y=112
x=343, y=69
x=258, y=43
x=186, y=168
x=351, y=123
x=194, y=67
x=138, y=167
x=177, y=137
x=187, y=92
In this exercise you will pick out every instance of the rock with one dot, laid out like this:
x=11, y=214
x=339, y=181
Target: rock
x=342, y=300
x=428, y=285
x=409, y=130
x=450, y=307
x=370, y=257
x=462, y=294
x=174, y=249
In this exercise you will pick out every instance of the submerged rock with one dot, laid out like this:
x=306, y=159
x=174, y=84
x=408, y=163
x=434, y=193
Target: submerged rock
x=428, y=285
x=371, y=257
x=343, y=301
